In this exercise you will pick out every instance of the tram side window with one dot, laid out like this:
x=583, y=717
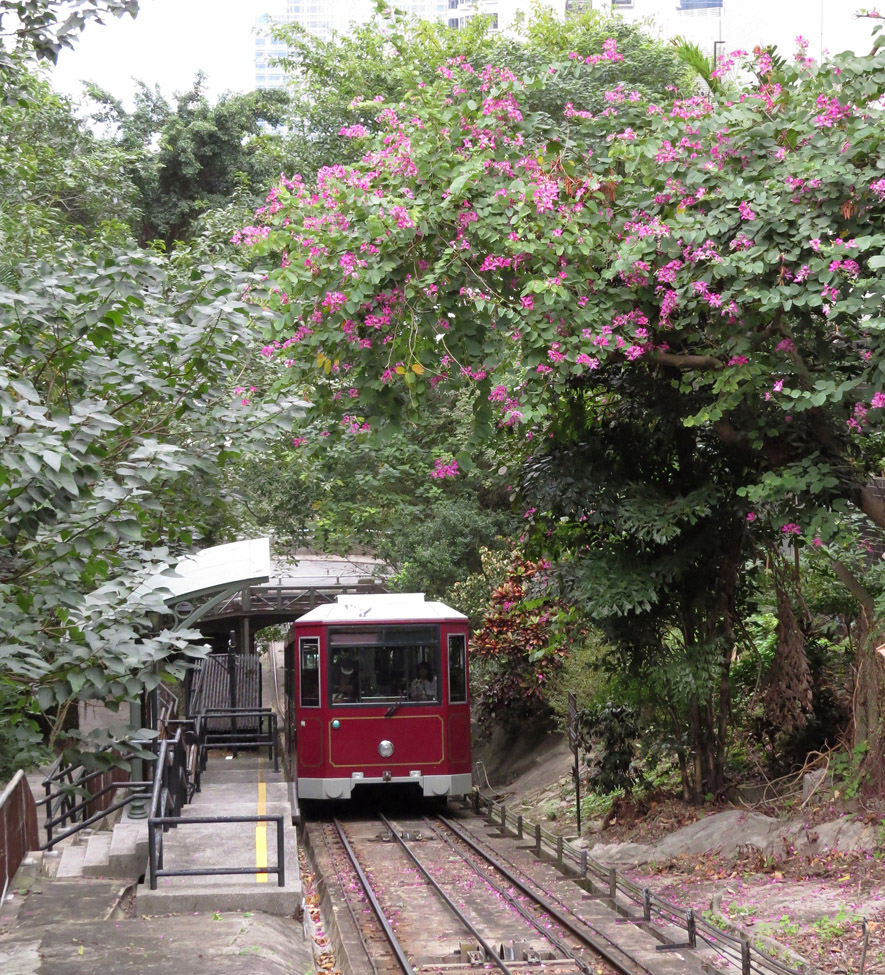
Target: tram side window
x=457, y=668
x=309, y=676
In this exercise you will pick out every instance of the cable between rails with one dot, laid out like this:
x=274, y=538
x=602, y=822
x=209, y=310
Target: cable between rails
x=592, y=940
x=490, y=951
x=373, y=900
x=535, y=923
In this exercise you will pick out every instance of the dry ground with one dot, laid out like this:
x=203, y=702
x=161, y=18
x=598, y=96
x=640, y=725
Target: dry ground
x=810, y=899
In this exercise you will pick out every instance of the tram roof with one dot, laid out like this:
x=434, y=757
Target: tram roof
x=390, y=607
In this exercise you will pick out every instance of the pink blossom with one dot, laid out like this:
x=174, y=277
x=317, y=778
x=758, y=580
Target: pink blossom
x=791, y=528
x=443, y=469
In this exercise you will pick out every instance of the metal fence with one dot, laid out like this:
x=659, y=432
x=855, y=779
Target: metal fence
x=626, y=897
x=19, y=832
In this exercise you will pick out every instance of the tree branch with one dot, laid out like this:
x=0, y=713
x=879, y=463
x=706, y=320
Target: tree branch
x=872, y=505
x=682, y=361
x=854, y=586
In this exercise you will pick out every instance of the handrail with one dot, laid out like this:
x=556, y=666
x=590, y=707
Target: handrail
x=737, y=950
x=166, y=822
x=113, y=807
x=245, y=737
x=171, y=790
x=69, y=796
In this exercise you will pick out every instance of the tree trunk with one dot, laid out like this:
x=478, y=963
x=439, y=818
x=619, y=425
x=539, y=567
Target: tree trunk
x=868, y=732
x=868, y=706
x=698, y=744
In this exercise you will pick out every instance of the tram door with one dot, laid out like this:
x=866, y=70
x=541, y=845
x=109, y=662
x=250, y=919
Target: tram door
x=308, y=723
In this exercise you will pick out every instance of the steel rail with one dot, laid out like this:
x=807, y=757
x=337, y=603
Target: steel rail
x=373, y=900
x=347, y=900
x=524, y=912
x=628, y=967
x=490, y=951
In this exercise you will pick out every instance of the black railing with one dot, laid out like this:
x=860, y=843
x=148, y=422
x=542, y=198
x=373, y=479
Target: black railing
x=249, y=728
x=75, y=798
x=626, y=897
x=157, y=825
x=172, y=789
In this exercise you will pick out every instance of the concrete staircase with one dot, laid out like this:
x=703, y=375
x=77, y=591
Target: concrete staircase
x=119, y=853
x=244, y=786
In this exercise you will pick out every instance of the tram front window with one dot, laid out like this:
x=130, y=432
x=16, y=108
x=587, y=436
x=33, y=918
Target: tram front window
x=384, y=665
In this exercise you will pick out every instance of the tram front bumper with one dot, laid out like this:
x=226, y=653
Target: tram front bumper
x=341, y=788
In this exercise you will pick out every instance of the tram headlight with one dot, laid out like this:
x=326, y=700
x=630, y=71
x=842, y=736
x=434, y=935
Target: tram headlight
x=385, y=748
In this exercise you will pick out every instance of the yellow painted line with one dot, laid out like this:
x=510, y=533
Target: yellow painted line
x=261, y=829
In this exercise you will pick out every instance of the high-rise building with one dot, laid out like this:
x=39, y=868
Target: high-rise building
x=716, y=26
x=320, y=17
x=727, y=25
x=323, y=17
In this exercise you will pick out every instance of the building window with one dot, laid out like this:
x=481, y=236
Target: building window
x=698, y=4
x=453, y=22
x=453, y=4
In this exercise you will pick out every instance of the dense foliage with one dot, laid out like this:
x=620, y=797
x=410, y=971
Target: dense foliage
x=124, y=394
x=190, y=157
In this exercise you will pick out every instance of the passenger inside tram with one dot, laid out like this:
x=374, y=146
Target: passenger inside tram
x=423, y=687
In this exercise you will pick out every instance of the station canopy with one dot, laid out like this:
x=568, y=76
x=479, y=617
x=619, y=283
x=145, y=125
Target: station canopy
x=202, y=580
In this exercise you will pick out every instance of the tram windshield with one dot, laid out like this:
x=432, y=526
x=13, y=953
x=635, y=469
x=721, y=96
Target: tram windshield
x=383, y=665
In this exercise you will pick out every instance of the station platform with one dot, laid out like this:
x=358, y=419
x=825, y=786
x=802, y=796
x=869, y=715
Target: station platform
x=231, y=787
x=81, y=910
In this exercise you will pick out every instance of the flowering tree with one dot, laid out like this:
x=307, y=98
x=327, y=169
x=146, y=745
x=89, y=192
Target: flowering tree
x=704, y=272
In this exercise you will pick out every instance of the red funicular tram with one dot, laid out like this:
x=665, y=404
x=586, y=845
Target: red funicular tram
x=378, y=690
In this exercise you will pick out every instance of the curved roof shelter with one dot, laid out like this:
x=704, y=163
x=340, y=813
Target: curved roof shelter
x=238, y=587
x=201, y=581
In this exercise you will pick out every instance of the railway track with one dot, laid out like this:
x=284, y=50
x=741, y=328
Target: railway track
x=414, y=895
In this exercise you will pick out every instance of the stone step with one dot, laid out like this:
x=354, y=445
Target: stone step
x=95, y=859
x=217, y=774
x=212, y=846
x=129, y=850
x=245, y=760
x=237, y=809
x=240, y=792
x=71, y=864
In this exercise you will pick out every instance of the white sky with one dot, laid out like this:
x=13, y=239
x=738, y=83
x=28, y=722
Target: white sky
x=166, y=44
x=171, y=40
